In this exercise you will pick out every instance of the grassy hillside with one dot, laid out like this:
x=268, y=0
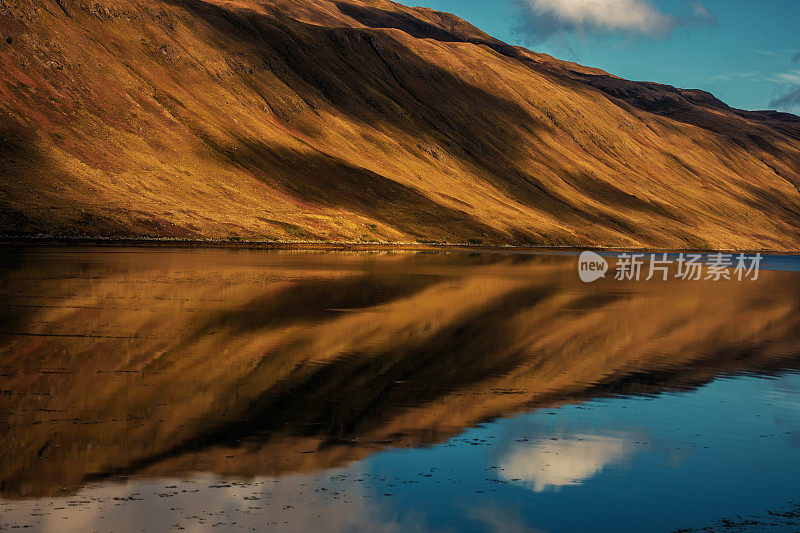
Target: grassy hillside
x=363, y=120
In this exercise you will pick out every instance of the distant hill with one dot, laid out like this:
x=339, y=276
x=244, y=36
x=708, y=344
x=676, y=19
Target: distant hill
x=363, y=120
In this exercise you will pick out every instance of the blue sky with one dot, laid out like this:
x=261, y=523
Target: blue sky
x=746, y=52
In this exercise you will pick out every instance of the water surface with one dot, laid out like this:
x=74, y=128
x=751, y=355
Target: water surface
x=297, y=391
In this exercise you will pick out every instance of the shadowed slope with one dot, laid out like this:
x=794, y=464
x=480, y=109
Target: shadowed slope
x=363, y=120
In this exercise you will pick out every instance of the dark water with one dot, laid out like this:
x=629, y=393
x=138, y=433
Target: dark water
x=299, y=391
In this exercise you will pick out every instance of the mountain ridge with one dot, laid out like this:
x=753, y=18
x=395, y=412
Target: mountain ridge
x=363, y=121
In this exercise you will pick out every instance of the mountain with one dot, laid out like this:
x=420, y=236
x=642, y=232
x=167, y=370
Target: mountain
x=363, y=120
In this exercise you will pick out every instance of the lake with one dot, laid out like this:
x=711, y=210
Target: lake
x=239, y=390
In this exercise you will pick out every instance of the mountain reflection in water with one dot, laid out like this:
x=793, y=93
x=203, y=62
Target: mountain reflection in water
x=148, y=364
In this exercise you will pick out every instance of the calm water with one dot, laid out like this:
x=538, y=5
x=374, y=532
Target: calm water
x=299, y=391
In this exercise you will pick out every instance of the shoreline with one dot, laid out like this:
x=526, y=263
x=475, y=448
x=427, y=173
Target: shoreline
x=355, y=246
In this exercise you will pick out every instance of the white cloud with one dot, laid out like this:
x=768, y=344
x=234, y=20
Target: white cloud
x=610, y=15
x=560, y=463
x=544, y=18
x=790, y=77
x=789, y=101
x=731, y=76
x=295, y=502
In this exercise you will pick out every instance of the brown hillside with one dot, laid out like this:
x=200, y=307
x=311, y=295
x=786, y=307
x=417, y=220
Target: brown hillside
x=363, y=120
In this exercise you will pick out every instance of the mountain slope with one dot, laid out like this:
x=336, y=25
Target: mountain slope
x=368, y=120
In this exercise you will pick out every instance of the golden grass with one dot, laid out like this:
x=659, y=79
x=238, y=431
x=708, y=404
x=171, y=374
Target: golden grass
x=296, y=120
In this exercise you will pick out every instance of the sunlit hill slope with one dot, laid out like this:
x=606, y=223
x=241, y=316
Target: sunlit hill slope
x=363, y=120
